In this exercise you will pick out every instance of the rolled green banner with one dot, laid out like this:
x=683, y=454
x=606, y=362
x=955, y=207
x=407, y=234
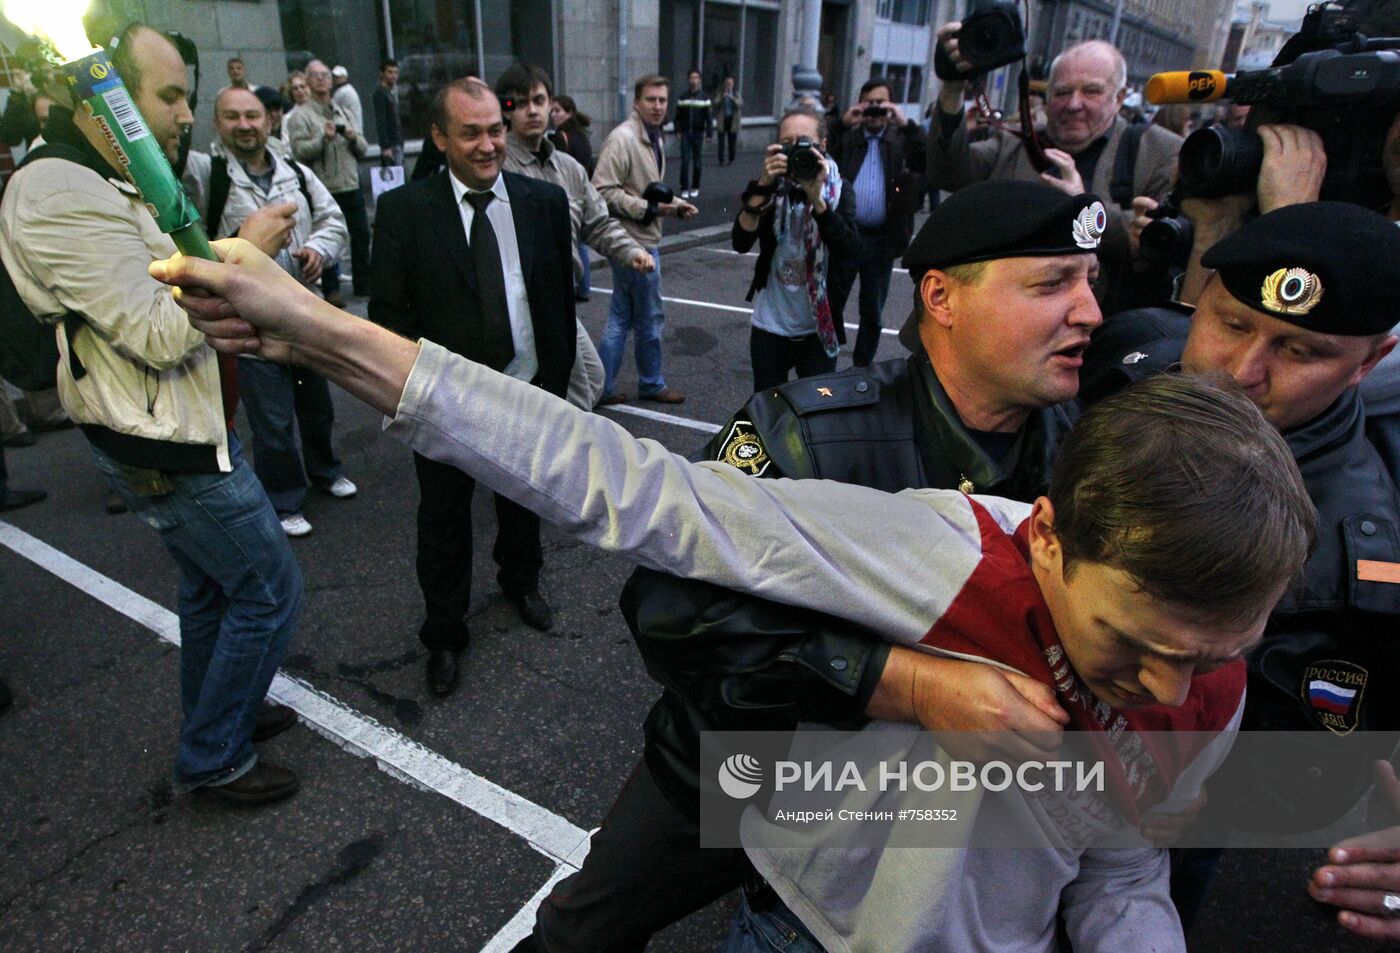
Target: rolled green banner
x=103, y=100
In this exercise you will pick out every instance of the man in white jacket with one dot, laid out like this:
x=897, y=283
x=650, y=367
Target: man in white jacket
x=242, y=177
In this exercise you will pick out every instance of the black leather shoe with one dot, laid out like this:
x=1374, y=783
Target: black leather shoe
x=534, y=611
x=442, y=671
x=14, y=499
x=263, y=784
x=273, y=719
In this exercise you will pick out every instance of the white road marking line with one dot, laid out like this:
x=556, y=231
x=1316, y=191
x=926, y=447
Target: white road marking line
x=523, y=923
x=730, y=307
x=730, y=251
x=399, y=756
x=664, y=418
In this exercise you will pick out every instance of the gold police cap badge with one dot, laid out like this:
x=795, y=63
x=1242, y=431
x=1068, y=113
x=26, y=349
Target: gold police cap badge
x=1291, y=291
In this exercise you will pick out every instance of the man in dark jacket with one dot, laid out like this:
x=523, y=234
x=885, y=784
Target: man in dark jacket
x=469, y=258
x=694, y=125
x=882, y=154
x=1004, y=288
x=1293, y=313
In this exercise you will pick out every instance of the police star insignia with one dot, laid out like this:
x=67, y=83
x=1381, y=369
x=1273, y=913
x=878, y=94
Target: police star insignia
x=1291, y=291
x=1089, y=226
x=743, y=450
x=824, y=391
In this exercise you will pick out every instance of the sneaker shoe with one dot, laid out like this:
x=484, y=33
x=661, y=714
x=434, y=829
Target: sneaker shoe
x=342, y=488
x=665, y=396
x=695, y=193
x=294, y=525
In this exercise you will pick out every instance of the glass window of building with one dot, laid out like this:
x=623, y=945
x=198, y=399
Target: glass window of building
x=723, y=38
x=434, y=43
x=760, y=56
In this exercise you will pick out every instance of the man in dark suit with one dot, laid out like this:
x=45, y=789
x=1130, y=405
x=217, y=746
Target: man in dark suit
x=466, y=258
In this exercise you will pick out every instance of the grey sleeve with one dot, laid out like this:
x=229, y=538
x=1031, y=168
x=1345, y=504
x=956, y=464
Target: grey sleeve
x=831, y=547
x=1121, y=900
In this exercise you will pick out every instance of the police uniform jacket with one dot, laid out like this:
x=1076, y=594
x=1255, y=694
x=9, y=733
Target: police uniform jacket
x=1331, y=651
x=746, y=663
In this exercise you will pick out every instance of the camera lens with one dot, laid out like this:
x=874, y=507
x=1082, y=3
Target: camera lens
x=988, y=36
x=1220, y=161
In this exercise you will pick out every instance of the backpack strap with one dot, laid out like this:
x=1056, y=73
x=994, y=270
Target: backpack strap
x=1120, y=189
x=219, y=184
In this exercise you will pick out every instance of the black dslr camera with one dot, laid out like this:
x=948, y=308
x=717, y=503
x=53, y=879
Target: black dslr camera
x=991, y=35
x=803, y=164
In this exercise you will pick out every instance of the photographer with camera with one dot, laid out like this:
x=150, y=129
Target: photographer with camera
x=1087, y=144
x=325, y=137
x=803, y=217
x=882, y=152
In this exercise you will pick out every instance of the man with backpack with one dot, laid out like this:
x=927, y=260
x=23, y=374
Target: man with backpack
x=244, y=179
x=156, y=404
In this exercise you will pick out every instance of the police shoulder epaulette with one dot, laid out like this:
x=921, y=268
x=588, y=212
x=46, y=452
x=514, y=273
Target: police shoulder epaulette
x=832, y=392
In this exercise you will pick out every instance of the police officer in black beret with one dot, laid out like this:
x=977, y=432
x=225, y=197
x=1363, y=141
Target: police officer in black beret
x=1003, y=272
x=1299, y=311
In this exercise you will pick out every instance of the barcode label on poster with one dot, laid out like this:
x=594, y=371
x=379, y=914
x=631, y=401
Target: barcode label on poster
x=124, y=111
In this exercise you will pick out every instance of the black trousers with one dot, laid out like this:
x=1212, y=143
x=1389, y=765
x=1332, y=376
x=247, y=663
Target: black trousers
x=728, y=135
x=445, y=550
x=645, y=870
x=773, y=355
x=873, y=267
x=352, y=204
x=692, y=145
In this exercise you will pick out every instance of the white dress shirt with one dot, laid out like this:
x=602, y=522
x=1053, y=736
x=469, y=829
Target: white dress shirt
x=526, y=364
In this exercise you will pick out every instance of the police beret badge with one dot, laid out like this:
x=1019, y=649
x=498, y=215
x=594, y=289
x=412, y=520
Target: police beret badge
x=743, y=449
x=1291, y=291
x=1089, y=225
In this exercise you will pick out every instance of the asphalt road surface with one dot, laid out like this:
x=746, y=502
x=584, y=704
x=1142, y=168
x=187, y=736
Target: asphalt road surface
x=422, y=823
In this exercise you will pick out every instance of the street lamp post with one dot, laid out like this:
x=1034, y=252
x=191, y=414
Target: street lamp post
x=806, y=80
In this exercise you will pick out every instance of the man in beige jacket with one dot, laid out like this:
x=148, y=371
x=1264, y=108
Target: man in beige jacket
x=633, y=158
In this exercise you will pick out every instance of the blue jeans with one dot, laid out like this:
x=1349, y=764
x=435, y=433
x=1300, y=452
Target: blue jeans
x=585, y=280
x=775, y=929
x=280, y=400
x=636, y=306
x=240, y=599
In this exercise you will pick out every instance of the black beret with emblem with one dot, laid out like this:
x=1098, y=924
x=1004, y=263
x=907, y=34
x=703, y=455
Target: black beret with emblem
x=1332, y=267
x=1006, y=219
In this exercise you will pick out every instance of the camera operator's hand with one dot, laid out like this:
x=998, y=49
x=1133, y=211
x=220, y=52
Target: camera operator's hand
x=1212, y=220
x=643, y=262
x=854, y=116
x=895, y=115
x=774, y=165
x=329, y=129
x=270, y=227
x=950, y=94
x=1141, y=206
x=1068, y=180
x=1293, y=167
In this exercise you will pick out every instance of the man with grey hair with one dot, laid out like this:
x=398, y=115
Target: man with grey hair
x=1090, y=147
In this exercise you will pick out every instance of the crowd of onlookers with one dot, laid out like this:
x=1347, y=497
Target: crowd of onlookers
x=1033, y=296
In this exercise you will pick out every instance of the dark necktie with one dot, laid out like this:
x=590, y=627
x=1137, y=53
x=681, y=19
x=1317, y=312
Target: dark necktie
x=497, y=345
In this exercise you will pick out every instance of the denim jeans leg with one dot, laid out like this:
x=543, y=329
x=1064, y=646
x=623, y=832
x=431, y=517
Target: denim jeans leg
x=585, y=280
x=224, y=535
x=650, y=320
x=315, y=423
x=613, y=344
x=774, y=929
x=268, y=397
